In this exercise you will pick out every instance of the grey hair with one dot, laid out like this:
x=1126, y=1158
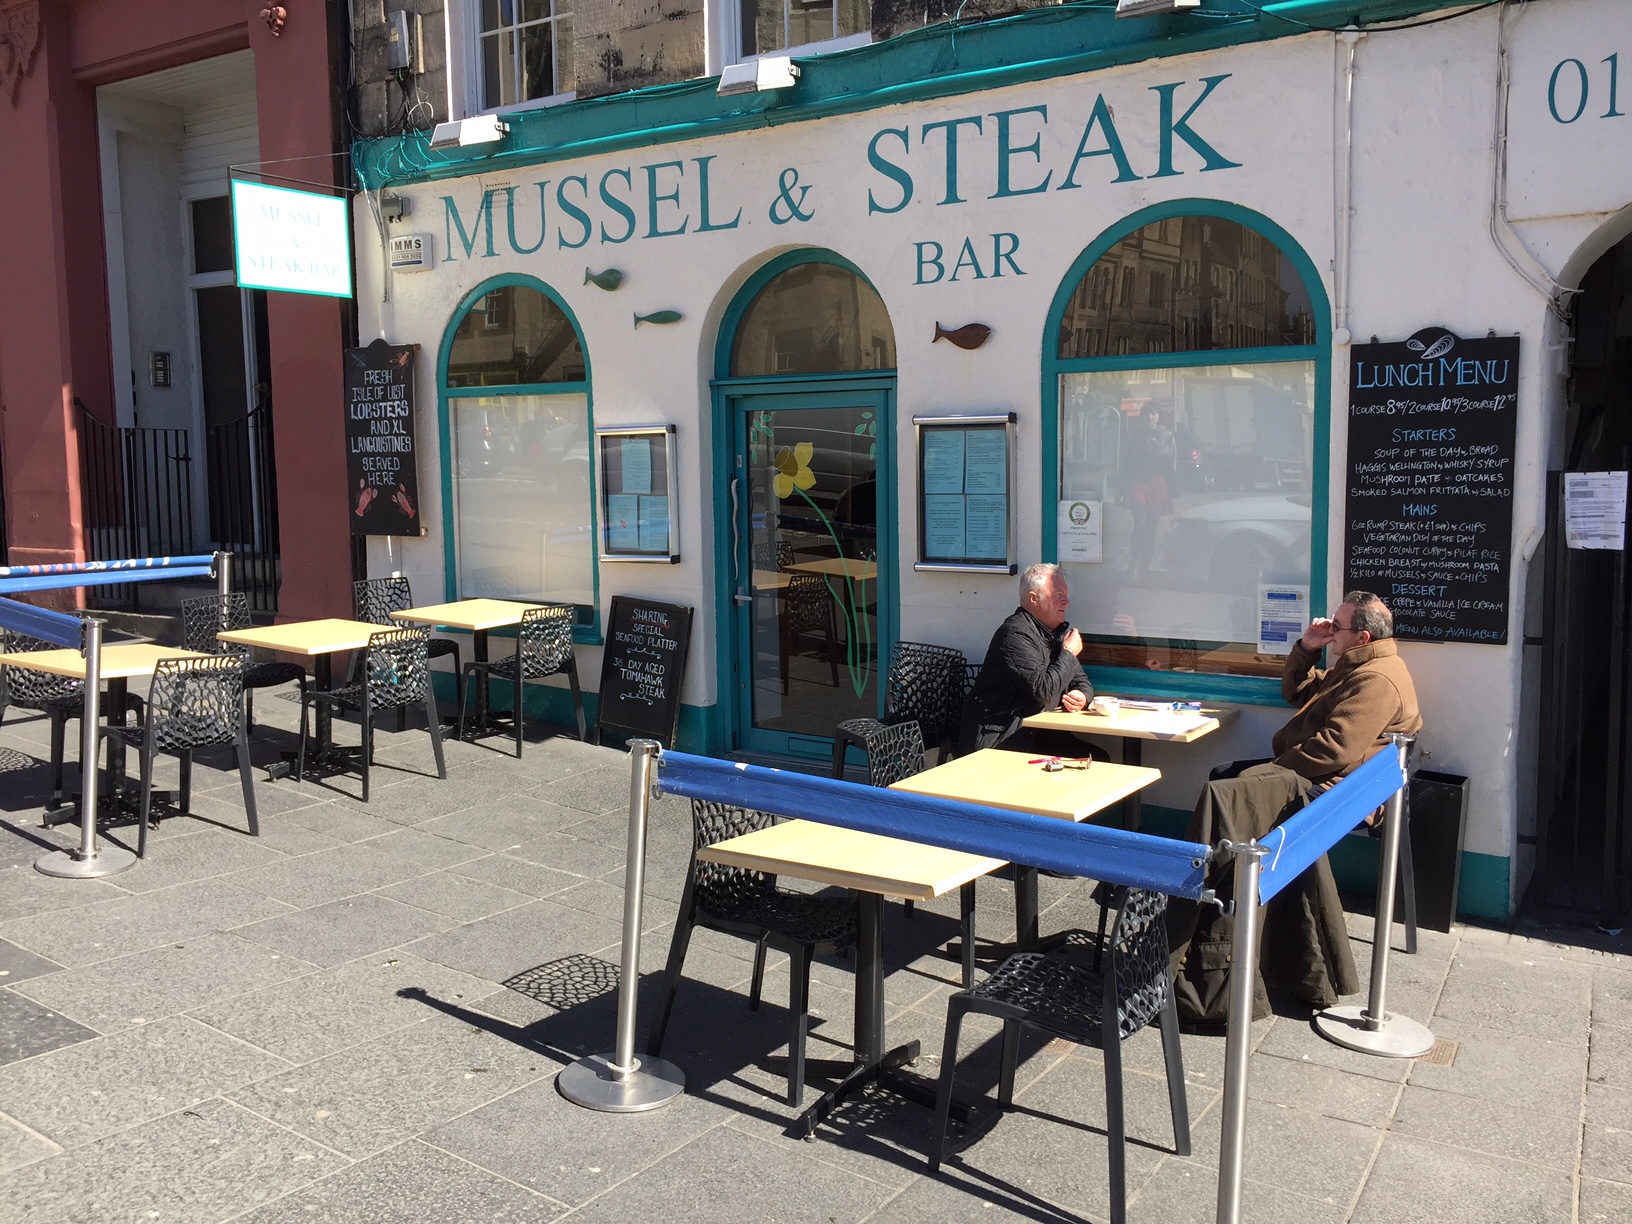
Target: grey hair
x=1371, y=615
x=1036, y=578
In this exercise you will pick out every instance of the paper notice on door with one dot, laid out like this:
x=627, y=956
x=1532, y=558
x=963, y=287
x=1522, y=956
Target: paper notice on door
x=1283, y=615
x=1081, y=532
x=1595, y=510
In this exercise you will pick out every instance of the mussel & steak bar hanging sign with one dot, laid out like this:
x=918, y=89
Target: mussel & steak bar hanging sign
x=1432, y=430
x=382, y=477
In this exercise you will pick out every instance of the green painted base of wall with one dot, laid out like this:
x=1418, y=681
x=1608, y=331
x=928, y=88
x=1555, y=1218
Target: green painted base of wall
x=701, y=727
x=1483, y=891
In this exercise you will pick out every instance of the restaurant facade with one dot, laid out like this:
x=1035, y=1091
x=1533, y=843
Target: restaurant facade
x=830, y=361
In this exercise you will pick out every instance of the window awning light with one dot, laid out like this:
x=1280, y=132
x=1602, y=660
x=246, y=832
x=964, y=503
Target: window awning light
x=1152, y=8
x=478, y=129
x=772, y=72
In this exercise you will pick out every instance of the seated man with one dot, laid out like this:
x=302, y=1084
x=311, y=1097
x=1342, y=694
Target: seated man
x=1345, y=715
x=1031, y=666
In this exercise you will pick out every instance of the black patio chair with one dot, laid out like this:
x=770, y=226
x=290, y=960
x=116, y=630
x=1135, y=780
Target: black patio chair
x=59, y=698
x=749, y=905
x=395, y=676
x=374, y=599
x=924, y=685
x=543, y=648
x=808, y=614
x=1065, y=997
x=207, y=615
x=191, y=704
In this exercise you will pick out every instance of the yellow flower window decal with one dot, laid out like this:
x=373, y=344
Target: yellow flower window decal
x=793, y=469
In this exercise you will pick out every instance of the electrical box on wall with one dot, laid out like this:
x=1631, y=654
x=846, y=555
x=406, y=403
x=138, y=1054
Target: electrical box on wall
x=412, y=253
x=403, y=42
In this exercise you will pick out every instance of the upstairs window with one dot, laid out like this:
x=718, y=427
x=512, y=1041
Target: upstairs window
x=524, y=50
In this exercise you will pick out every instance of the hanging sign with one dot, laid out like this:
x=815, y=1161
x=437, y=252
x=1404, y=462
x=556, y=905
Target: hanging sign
x=1432, y=431
x=382, y=478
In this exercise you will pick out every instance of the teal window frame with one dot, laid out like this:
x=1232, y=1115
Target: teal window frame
x=1240, y=690
x=726, y=390
x=587, y=635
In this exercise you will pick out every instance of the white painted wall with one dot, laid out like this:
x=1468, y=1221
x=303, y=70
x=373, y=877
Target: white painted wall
x=1425, y=124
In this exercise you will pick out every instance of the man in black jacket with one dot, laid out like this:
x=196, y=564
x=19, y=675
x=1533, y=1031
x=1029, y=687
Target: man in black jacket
x=1031, y=666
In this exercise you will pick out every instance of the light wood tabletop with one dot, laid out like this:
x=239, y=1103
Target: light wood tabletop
x=125, y=661
x=844, y=857
x=838, y=567
x=771, y=580
x=1000, y=778
x=310, y=638
x=476, y=615
x=1174, y=726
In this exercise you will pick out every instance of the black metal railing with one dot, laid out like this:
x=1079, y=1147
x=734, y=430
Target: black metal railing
x=243, y=498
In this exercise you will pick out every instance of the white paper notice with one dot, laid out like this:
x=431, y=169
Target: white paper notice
x=1283, y=615
x=1595, y=509
x=1081, y=531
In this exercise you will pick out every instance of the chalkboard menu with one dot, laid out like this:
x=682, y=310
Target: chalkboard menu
x=382, y=477
x=965, y=486
x=642, y=669
x=1432, y=426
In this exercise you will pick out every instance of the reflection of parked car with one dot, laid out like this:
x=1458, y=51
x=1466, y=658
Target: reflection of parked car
x=1234, y=541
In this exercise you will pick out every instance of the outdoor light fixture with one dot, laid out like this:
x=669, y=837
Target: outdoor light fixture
x=1152, y=8
x=775, y=72
x=478, y=129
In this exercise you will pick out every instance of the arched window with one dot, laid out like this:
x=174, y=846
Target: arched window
x=517, y=435
x=1184, y=375
x=815, y=318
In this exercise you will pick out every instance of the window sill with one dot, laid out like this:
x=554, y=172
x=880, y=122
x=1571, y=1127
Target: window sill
x=1191, y=686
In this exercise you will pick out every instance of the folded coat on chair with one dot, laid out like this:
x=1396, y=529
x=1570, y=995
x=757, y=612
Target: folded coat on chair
x=1305, y=939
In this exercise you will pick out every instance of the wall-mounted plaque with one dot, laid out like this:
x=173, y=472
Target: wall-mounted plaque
x=1432, y=430
x=966, y=493
x=639, y=521
x=382, y=477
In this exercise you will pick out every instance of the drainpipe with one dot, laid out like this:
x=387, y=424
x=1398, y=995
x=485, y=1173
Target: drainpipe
x=1343, y=190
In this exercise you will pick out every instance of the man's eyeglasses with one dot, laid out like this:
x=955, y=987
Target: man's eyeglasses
x=1342, y=628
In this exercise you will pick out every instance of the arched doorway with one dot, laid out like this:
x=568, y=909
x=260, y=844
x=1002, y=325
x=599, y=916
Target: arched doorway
x=805, y=410
x=1584, y=782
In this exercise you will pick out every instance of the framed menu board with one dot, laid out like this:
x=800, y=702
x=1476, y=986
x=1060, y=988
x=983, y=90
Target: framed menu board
x=638, y=518
x=965, y=493
x=382, y=477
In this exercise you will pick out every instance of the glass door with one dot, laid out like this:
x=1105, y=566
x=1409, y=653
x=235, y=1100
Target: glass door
x=812, y=567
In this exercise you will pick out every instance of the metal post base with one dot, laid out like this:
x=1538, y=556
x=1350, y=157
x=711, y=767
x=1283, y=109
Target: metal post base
x=68, y=865
x=590, y=1082
x=1395, y=1037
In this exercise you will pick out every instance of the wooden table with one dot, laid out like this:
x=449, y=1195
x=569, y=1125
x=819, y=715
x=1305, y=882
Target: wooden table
x=318, y=640
x=1133, y=728
x=121, y=662
x=1003, y=779
x=837, y=567
x=875, y=867
x=477, y=616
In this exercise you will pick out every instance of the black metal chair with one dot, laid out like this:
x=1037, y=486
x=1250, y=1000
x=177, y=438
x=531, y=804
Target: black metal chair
x=395, y=676
x=207, y=615
x=191, y=704
x=374, y=599
x=1065, y=997
x=895, y=752
x=543, y=648
x=59, y=698
x=925, y=684
x=748, y=904
x=808, y=613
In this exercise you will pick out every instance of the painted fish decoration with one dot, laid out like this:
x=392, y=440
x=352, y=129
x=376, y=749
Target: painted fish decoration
x=970, y=336
x=608, y=280
x=659, y=316
x=1437, y=349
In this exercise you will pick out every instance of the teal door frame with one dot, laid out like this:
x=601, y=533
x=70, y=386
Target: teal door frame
x=733, y=658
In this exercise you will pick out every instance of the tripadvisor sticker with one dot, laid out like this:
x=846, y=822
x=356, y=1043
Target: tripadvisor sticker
x=1080, y=534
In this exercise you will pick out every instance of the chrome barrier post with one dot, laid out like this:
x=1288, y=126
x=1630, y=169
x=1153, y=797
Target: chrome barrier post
x=1370, y=1029
x=88, y=862
x=223, y=573
x=620, y=1082
x=1238, y=1038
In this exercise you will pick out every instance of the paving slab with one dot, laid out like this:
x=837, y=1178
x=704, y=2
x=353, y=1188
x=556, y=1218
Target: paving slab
x=20, y=1146
x=518, y=875
x=454, y=896
x=1417, y=1182
x=516, y=940
x=19, y=964
x=344, y=930
x=1606, y=1145
x=1483, y=1125
x=1521, y=1072
x=28, y=1028
x=503, y=821
x=1605, y=1201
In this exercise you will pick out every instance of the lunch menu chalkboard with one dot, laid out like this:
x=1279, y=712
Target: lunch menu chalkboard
x=382, y=478
x=642, y=669
x=1432, y=429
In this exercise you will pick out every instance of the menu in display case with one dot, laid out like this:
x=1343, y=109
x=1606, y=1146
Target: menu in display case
x=637, y=494
x=965, y=484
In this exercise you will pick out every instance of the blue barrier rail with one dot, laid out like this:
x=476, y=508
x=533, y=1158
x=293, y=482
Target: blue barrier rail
x=1113, y=855
x=15, y=579
x=58, y=628
x=1297, y=843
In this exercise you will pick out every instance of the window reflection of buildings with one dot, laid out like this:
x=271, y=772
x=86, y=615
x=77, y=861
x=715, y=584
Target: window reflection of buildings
x=814, y=318
x=1182, y=285
x=515, y=336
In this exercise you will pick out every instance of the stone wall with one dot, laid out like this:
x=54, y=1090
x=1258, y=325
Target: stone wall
x=384, y=104
x=892, y=17
x=630, y=44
